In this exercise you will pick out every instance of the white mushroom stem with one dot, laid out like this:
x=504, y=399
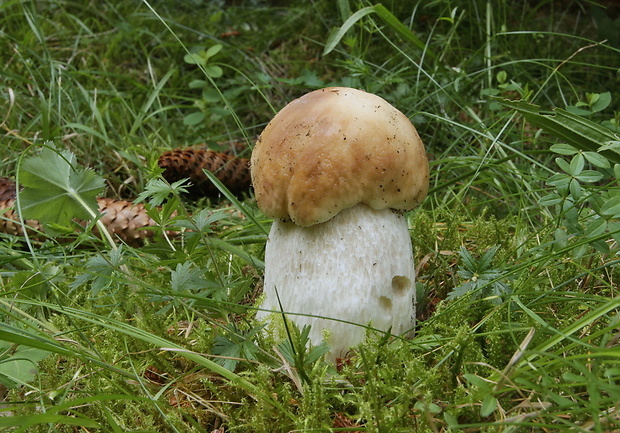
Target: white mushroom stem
x=356, y=267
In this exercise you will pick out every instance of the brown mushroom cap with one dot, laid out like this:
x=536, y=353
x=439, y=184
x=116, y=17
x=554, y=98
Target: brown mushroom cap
x=334, y=148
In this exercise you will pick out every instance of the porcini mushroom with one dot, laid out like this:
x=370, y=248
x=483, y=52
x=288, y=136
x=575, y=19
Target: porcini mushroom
x=336, y=169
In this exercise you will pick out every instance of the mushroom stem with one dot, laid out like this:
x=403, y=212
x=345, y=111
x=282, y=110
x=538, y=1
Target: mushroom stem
x=357, y=267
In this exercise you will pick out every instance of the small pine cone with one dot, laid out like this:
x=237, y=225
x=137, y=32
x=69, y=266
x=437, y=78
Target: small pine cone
x=7, y=189
x=125, y=220
x=9, y=220
x=232, y=171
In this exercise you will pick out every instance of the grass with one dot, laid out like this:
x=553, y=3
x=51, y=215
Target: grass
x=517, y=242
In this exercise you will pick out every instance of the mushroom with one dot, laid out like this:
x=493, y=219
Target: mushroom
x=336, y=169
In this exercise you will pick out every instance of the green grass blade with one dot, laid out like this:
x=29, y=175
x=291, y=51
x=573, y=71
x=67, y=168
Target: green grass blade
x=388, y=18
x=164, y=344
x=27, y=421
x=584, y=321
x=230, y=196
x=51, y=413
x=578, y=131
x=11, y=335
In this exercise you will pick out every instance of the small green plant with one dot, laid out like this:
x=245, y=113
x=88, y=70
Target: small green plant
x=483, y=280
x=203, y=57
x=19, y=364
x=594, y=103
x=298, y=351
x=103, y=273
x=235, y=346
x=56, y=189
x=588, y=212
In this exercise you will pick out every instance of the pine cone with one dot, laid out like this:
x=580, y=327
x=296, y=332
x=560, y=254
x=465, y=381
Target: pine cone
x=232, y=171
x=9, y=221
x=7, y=189
x=123, y=219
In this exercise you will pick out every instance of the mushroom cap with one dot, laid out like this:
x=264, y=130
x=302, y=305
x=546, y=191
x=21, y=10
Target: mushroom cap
x=332, y=149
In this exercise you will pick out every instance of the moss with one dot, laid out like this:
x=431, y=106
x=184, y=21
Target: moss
x=259, y=416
